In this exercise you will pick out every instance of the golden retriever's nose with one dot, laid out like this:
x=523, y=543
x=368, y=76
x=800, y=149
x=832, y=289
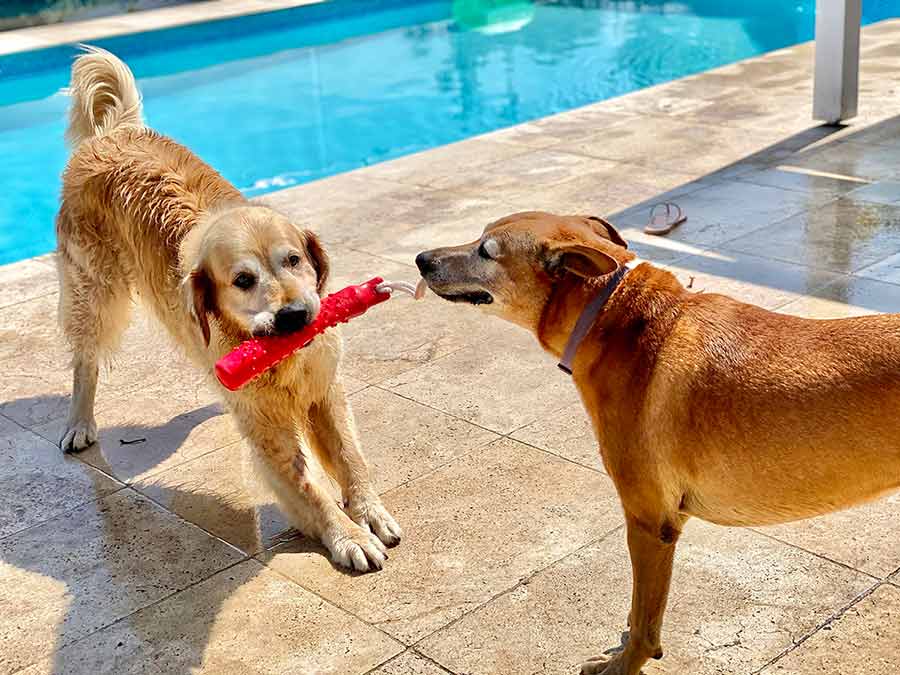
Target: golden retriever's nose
x=291, y=318
x=425, y=261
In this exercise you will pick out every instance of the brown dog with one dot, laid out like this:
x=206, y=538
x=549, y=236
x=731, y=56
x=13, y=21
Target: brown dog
x=703, y=406
x=141, y=213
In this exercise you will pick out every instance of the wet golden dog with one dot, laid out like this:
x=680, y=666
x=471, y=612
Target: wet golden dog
x=703, y=406
x=142, y=214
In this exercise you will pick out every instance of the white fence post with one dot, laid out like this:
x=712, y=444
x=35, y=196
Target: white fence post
x=837, y=59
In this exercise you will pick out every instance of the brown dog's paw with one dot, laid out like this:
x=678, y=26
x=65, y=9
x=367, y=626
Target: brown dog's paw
x=606, y=664
x=370, y=513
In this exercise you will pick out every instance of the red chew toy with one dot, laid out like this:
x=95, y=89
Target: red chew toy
x=254, y=356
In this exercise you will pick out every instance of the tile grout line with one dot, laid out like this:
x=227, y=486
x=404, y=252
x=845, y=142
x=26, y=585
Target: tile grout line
x=523, y=581
x=816, y=555
x=58, y=648
x=831, y=619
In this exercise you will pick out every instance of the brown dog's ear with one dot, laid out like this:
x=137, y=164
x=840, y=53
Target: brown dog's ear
x=608, y=230
x=579, y=259
x=319, y=259
x=198, y=295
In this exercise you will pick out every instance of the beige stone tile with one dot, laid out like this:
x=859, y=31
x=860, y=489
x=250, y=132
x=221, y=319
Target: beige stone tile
x=92, y=566
x=27, y=280
x=737, y=600
x=473, y=528
x=29, y=330
x=566, y=432
x=721, y=211
x=758, y=281
x=36, y=358
x=39, y=482
x=566, y=126
x=19, y=41
x=245, y=619
x=530, y=173
x=674, y=144
x=886, y=270
x=389, y=219
x=409, y=663
x=881, y=192
x=402, y=439
x=594, y=187
x=327, y=204
x=445, y=163
x=861, y=537
x=220, y=493
x=842, y=236
x=848, y=296
x=401, y=334
x=863, y=640
x=154, y=428
x=504, y=384
x=872, y=162
x=824, y=188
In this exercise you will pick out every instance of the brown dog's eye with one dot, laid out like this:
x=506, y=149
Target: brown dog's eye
x=294, y=259
x=244, y=281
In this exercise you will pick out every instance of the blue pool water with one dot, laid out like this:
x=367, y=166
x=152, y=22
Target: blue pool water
x=287, y=97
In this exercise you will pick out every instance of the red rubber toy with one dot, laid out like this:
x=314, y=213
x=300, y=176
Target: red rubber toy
x=256, y=356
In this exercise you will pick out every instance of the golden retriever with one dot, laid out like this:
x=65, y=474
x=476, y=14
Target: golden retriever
x=142, y=214
x=703, y=406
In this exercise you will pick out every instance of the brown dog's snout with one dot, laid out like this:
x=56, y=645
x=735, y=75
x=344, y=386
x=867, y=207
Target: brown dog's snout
x=291, y=318
x=426, y=262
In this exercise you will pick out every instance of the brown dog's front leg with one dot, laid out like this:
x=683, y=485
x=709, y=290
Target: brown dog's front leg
x=652, y=550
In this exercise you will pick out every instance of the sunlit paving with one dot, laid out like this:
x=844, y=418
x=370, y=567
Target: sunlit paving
x=157, y=516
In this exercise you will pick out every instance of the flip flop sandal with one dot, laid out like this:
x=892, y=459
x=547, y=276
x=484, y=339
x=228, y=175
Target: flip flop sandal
x=664, y=218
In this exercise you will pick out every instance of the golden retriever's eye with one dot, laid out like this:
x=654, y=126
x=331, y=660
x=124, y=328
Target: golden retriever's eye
x=294, y=260
x=244, y=281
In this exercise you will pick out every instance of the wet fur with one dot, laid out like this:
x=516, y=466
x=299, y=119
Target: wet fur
x=143, y=216
x=703, y=406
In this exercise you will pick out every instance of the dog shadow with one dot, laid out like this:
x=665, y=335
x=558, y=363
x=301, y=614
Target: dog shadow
x=143, y=637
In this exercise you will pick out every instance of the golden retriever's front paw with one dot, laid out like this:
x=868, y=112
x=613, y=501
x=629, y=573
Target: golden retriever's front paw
x=608, y=665
x=369, y=512
x=356, y=548
x=78, y=435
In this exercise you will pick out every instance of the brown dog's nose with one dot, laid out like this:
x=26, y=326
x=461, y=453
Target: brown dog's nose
x=291, y=318
x=425, y=262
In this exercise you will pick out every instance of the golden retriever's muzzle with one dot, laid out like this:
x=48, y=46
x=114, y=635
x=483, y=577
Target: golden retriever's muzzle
x=454, y=274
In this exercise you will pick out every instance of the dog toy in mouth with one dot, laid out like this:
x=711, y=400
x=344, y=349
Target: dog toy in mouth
x=256, y=356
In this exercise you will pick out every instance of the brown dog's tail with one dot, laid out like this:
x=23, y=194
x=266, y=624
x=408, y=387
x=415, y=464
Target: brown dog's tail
x=104, y=96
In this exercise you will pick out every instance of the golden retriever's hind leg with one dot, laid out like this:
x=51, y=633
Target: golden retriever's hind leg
x=93, y=315
x=332, y=435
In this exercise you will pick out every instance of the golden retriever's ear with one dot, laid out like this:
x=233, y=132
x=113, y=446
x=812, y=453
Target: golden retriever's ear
x=198, y=296
x=319, y=259
x=579, y=259
x=605, y=229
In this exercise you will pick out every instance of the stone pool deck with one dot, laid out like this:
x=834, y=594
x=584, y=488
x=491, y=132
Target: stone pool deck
x=153, y=553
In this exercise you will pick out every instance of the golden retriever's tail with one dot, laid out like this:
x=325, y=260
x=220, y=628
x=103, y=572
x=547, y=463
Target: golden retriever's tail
x=104, y=96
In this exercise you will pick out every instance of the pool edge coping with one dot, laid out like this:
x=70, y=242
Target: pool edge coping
x=53, y=35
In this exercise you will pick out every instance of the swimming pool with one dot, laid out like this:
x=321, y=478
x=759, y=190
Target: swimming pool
x=282, y=98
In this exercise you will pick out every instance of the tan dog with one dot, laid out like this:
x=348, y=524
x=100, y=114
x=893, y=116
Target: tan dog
x=703, y=406
x=143, y=214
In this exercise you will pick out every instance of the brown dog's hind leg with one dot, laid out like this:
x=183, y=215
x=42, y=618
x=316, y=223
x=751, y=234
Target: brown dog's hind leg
x=93, y=313
x=332, y=435
x=652, y=550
